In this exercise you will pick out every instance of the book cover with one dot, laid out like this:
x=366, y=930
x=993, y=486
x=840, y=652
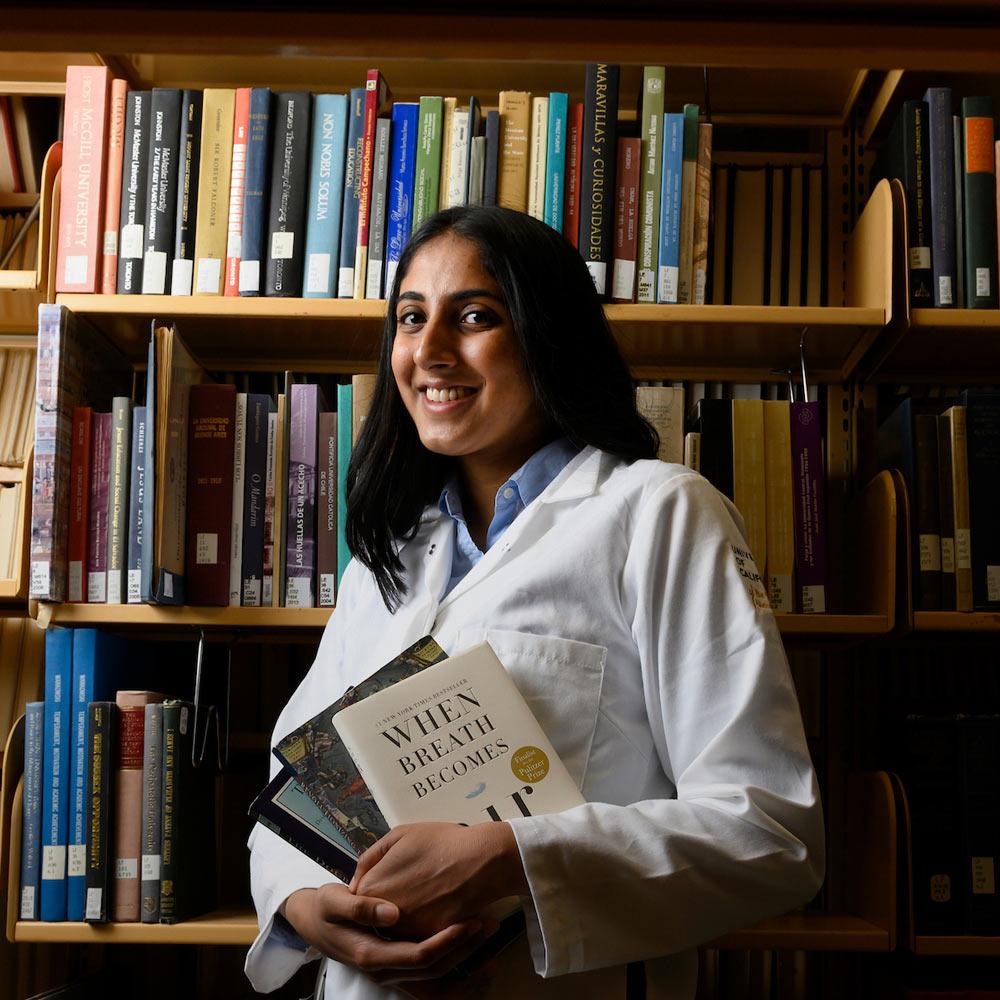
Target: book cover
x=449, y=105
x=152, y=815
x=663, y=407
x=626, y=218
x=118, y=496
x=127, y=830
x=214, y=172
x=326, y=195
x=492, y=166
x=267, y=579
x=780, y=567
x=979, y=748
x=345, y=429
x=259, y=410
x=979, y=203
x=688, y=180
x=475, y=132
x=85, y=122
x=31, y=823
x=376, y=96
x=402, y=172
x=102, y=729
x=300, y=554
x=574, y=168
x=97, y=535
x=55, y=771
x=135, y=193
x=237, y=190
x=161, y=203
x=810, y=507
x=458, y=161
x=702, y=213
x=941, y=169
x=428, y=159
x=280, y=500
x=982, y=415
x=946, y=506
x=958, y=137
x=188, y=165
x=555, y=161
x=957, y=431
x=512, y=169
x=749, y=485
x=326, y=507
x=113, y=186
x=352, y=193
x=289, y=164
x=257, y=189
x=651, y=159
x=211, y=446
x=379, y=210
x=136, y=507
x=538, y=144
x=668, y=267
x=477, y=170
x=79, y=510
x=362, y=393
x=237, y=501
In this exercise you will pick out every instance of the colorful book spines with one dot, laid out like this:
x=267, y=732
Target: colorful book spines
x=326, y=195
x=352, y=193
x=376, y=93
x=428, y=159
x=402, y=173
x=653, y=81
x=113, y=186
x=237, y=190
x=668, y=272
x=555, y=160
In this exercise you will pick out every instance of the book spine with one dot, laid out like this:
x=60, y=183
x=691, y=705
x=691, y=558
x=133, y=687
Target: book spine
x=653, y=82
x=979, y=738
x=135, y=178
x=55, y=778
x=780, y=566
x=512, y=170
x=714, y=424
x=326, y=195
x=362, y=393
x=352, y=193
x=926, y=512
x=300, y=553
x=161, y=207
x=127, y=835
x=810, y=507
x=147, y=585
x=137, y=498
x=281, y=493
x=375, y=92
x=982, y=416
x=668, y=269
x=267, y=579
x=946, y=506
x=326, y=504
x=448, y=107
x=237, y=500
x=256, y=190
x=345, y=408
x=376, y=243
x=749, y=485
x=152, y=821
x=214, y=171
x=473, y=177
x=85, y=122
x=31, y=825
x=958, y=431
x=237, y=191
x=79, y=511
x=82, y=692
x=492, y=167
x=689, y=170
x=537, y=151
x=118, y=494
x=113, y=186
x=692, y=450
x=662, y=406
x=979, y=197
x=173, y=748
x=958, y=137
x=597, y=177
x=555, y=160
x=702, y=213
x=941, y=163
x=574, y=169
x=477, y=170
x=102, y=724
x=100, y=470
x=286, y=229
x=254, y=499
x=401, y=177
x=188, y=165
x=626, y=204
x=458, y=164
x=919, y=190
x=428, y=160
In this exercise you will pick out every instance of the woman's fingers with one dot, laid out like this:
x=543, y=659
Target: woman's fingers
x=336, y=903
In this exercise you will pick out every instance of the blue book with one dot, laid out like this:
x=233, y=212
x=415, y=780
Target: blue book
x=352, y=192
x=31, y=826
x=55, y=771
x=668, y=272
x=149, y=487
x=402, y=171
x=99, y=664
x=345, y=426
x=256, y=190
x=137, y=496
x=326, y=195
x=555, y=161
x=940, y=154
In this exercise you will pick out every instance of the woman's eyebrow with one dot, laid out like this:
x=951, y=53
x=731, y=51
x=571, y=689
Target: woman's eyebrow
x=475, y=293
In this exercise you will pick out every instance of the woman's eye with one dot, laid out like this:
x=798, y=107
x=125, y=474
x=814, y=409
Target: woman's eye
x=479, y=317
x=411, y=318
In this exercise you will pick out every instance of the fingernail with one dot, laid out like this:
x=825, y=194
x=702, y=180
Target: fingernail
x=385, y=913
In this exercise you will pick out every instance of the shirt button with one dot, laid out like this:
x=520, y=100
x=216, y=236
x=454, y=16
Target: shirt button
x=508, y=493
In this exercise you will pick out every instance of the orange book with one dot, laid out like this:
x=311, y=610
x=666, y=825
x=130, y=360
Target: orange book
x=85, y=125
x=237, y=185
x=113, y=187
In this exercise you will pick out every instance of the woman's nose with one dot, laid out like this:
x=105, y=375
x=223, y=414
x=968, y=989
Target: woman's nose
x=437, y=344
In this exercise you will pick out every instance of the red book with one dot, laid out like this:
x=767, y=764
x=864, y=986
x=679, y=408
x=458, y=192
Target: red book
x=113, y=188
x=81, y=203
x=79, y=503
x=376, y=96
x=237, y=187
x=97, y=528
x=574, y=165
x=626, y=220
x=211, y=446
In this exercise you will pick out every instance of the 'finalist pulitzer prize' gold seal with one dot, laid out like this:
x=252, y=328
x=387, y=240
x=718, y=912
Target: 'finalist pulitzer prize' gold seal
x=529, y=764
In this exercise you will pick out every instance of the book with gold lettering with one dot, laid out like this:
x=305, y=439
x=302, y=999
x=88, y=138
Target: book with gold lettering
x=214, y=175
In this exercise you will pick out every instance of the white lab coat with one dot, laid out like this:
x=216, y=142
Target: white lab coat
x=622, y=603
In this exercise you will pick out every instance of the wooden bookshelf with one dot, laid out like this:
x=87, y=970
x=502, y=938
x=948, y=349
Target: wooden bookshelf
x=223, y=927
x=965, y=945
x=956, y=621
x=946, y=345
x=809, y=932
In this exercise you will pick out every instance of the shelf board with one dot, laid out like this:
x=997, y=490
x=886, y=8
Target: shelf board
x=20, y=280
x=154, y=615
x=956, y=621
x=946, y=342
x=745, y=342
x=809, y=931
x=832, y=625
x=236, y=927
x=957, y=945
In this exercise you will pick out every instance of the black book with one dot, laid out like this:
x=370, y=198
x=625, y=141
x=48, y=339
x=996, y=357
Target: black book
x=186, y=200
x=983, y=444
x=135, y=190
x=492, y=157
x=980, y=742
x=102, y=725
x=289, y=172
x=946, y=510
x=161, y=209
x=259, y=406
x=597, y=171
x=714, y=421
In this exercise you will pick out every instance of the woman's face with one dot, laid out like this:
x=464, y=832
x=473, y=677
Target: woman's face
x=458, y=369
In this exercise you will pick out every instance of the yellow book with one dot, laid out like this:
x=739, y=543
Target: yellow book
x=512, y=171
x=538, y=154
x=447, y=131
x=362, y=390
x=214, y=169
x=779, y=509
x=960, y=493
x=748, y=473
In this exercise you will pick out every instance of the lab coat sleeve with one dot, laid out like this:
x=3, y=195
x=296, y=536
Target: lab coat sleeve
x=743, y=839
x=276, y=868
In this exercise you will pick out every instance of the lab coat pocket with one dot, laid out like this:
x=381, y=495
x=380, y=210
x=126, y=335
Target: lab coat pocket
x=560, y=680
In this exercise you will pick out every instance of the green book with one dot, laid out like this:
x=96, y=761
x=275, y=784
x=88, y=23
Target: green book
x=428, y=163
x=685, y=278
x=980, y=203
x=653, y=83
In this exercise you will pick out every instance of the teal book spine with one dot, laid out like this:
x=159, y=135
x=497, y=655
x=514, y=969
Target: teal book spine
x=670, y=208
x=345, y=426
x=326, y=195
x=555, y=161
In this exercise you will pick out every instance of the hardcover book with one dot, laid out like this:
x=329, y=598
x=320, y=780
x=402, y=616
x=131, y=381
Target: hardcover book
x=512, y=169
x=946, y=506
x=749, y=493
x=555, y=160
x=668, y=271
x=574, y=167
x=376, y=96
x=379, y=209
x=810, y=506
x=135, y=193
x=31, y=824
x=663, y=407
x=300, y=554
x=256, y=190
x=538, y=144
x=702, y=213
x=267, y=580
x=113, y=186
x=97, y=537
x=214, y=172
x=345, y=430
x=401, y=179
x=958, y=434
x=237, y=500
x=492, y=165
x=626, y=204
x=188, y=165
x=979, y=199
x=982, y=412
x=102, y=727
x=79, y=511
x=780, y=569
x=475, y=132
x=118, y=497
x=352, y=193
x=455, y=193
x=685, y=289
x=941, y=163
x=161, y=207
x=653, y=78
x=237, y=190
x=449, y=107
x=259, y=410
x=426, y=182
x=152, y=813
x=136, y=505
x=326, y=508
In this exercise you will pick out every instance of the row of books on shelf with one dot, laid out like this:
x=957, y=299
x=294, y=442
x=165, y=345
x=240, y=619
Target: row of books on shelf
x=28, y=125
x=116, y=800
x=947, y=164
x=946, y=450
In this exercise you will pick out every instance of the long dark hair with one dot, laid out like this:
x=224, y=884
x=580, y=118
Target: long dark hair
x=582, y=384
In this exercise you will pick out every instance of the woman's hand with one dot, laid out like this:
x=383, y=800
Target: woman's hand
x=345, y=927
x=441, y=874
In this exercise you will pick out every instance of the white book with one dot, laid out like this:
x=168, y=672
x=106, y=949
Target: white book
x=455, y=742
x=449, y=106
x=236, y=543
x=663, y=407
x=692, y=450
x=459, y=161
x=538, y=144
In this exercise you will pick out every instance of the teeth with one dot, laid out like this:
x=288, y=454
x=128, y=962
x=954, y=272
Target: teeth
x=446, y=395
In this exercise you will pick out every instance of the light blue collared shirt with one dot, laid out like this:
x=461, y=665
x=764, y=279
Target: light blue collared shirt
x=512, y=497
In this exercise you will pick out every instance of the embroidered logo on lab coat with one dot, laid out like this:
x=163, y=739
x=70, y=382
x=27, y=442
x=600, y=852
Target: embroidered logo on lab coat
x=752, y=580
